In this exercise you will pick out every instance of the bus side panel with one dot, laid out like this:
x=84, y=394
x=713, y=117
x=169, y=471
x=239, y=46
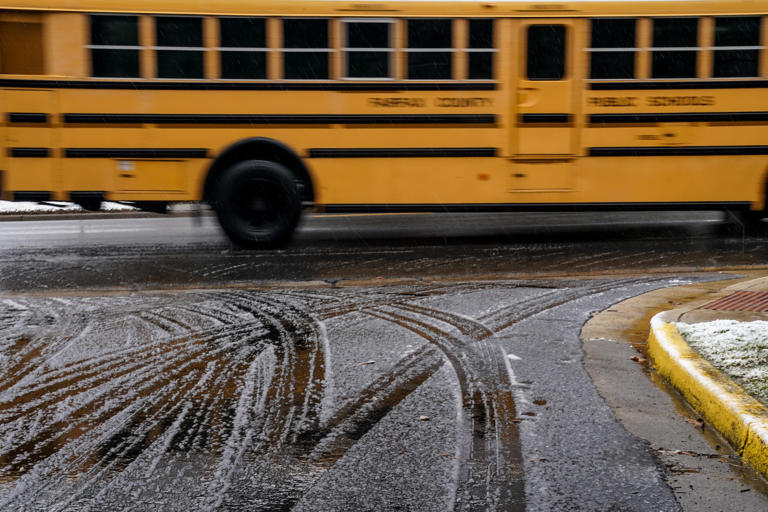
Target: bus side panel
x=29, y=142
x=702, y=122
x=592, y=180
x=671, y=179
x=411, y=180
x=5, y=194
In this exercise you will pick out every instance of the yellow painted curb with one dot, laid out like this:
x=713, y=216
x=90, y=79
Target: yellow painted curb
x=739, y=417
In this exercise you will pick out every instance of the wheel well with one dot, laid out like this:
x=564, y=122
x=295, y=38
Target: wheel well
x=260, y=148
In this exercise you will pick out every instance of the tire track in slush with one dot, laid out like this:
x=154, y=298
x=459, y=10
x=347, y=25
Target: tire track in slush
x=303, y=365
x=320, y=444
x=352, y=421
x=30, y=353
x=158, y=391
x=37, y=441
x=82, y=376
x=505, y=317
x=484, y=380
x=291, y=402
x=22, y=351
x=489, y=450
x=126, y=441
x=274, y=417
x=243, y=376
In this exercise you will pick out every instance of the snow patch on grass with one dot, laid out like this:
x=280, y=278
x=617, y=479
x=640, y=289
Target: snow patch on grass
x=738, y=349
x=55, y=207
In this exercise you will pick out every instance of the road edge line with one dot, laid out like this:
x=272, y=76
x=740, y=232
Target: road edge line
x=741, y=419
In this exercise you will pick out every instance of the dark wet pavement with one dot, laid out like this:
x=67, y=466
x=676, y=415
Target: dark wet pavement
x=431, y=397
x=172, y=252
x=148, y=367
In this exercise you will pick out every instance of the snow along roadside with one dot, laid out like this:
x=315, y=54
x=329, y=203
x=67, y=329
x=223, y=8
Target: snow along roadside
x=11, y=207
x=738, y=349
x=740, y=418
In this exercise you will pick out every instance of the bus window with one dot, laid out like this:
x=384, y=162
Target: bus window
x=306, y=49
x=546, y=52
x=430, y=49
x=179, y=47
x=368, y=48
x=243, y=48
x=612, y=49
x=480, y=50
x=114, y=46
x=737, y=46
x=675, y=47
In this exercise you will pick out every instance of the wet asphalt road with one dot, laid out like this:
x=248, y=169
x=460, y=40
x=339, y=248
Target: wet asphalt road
x=142, y=253
x=459, y=397
x=146, y=368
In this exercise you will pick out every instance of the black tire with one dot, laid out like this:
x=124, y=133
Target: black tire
x=89, y=204
x=745, y=222
x=257, y=204
x=152, y=206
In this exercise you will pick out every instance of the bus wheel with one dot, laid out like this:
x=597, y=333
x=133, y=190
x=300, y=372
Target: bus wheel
x=89, y=204
x=257, y=204
x=746, y=222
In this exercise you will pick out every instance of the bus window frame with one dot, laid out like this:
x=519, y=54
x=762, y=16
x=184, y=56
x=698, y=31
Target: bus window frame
x=156, y=49
x=698, y=72
x=407, y=50
x=345, y=49
x=90, y=46
x=330, y=49
x=493, y=50
x=636, y=50
x=267, y=50
x=760, y=48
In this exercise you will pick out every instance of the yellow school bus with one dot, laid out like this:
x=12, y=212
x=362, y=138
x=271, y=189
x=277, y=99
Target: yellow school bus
x=264, y=107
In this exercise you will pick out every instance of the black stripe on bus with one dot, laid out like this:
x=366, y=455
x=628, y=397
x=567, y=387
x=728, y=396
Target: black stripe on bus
x=399, y=152
x=32, y=195
x=27, y=117
x=532, y=207
x=245, y=86
x=29, y=152
x=693, y=117
x=278, y=119
x=679, y=151
x=545, y=118
x=662, y=85
x=135, y=153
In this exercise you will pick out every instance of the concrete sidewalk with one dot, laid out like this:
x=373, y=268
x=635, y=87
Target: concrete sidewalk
x=739, y=417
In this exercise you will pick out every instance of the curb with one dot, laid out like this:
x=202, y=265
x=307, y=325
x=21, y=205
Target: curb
x=741, y=419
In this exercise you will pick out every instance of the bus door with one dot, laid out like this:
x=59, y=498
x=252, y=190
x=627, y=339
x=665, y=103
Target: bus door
x=544, y=134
